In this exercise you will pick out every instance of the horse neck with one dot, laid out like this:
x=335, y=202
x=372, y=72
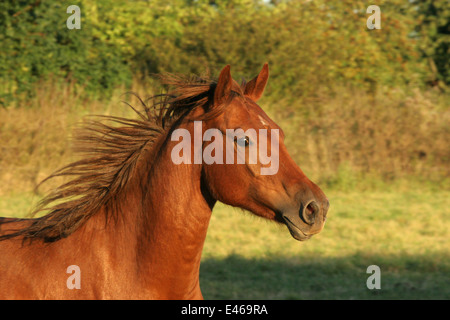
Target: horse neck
x=173, y=220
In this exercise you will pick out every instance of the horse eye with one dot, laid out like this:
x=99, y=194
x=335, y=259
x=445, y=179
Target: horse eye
x=243, y=142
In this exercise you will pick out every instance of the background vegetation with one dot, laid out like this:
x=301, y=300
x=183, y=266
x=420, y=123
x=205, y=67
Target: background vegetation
x=365, y=112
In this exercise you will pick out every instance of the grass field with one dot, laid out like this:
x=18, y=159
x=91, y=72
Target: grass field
x=406, y=233
x=358, y=155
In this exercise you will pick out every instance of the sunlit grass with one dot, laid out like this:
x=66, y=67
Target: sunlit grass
x=245, y=257
x=405, y=234
x=394, y=220
x=376, y=222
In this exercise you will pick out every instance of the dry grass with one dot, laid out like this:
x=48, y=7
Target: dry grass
x=388, y=136
x=35, y=138
x=340, y=140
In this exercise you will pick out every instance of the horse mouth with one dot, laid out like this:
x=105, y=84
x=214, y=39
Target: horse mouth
x=296, y=233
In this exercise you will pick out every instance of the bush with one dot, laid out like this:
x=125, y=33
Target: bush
x=36, y=44
x=351, y=100
x=311, y=45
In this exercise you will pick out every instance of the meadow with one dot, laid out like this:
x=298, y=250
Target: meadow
x=365, y=113
x=404, y=232
x=398, y=222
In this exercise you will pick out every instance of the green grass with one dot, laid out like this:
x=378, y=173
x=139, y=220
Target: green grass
x=404, y=232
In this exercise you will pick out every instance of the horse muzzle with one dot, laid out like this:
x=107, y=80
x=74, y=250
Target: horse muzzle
x=307, y=221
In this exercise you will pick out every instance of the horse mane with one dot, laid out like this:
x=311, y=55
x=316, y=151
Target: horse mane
x=111, y=148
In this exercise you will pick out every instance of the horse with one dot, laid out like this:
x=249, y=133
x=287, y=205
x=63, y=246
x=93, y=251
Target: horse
x=130, y=223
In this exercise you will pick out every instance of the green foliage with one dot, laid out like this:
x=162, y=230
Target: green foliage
x=433, y=28
x=36, y=43
x=311, y=45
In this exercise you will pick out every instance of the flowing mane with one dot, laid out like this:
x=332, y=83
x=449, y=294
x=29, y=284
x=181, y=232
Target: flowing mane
x=110, y=148
x=134, y=220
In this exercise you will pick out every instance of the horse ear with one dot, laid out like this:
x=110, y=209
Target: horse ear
x=223, y=87
x=255, y=88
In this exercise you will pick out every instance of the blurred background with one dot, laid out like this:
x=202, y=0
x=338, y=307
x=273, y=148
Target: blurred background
x=365, y=113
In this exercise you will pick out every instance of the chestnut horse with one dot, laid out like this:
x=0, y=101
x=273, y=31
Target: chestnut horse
x=131, y=223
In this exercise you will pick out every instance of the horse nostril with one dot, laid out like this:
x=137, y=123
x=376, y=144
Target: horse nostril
x=310, y=212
